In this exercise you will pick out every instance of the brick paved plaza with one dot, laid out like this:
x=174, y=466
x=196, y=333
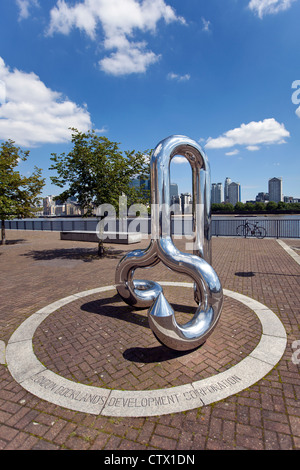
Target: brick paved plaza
x=99, y=341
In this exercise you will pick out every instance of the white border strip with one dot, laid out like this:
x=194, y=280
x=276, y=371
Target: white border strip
x=290, y=251
x=2, y=352
x=34, y=377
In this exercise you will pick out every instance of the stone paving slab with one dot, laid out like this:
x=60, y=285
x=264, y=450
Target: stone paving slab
x=95, y=341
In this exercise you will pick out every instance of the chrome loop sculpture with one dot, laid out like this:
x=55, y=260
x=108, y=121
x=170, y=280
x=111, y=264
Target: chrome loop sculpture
x=208, y=291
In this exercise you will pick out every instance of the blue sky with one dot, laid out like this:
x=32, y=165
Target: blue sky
x=226, y=73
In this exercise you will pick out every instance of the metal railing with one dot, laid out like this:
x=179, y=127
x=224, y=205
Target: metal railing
x=225, y=226
x=274, y=228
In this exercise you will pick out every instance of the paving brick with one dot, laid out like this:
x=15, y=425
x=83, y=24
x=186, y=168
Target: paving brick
x=249, y=443
x=295, y=425
x=7, y=433
x=250, y=431
x=100, y=441
x=44, y=445
x=100, y=341
x=163, y=443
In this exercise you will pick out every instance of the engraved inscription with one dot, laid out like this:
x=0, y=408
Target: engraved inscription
x=217, y=386
x=144, y=402
x=135, y=400
x=67, y=392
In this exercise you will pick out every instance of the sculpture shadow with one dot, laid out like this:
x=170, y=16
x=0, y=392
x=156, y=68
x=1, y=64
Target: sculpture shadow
x=151, y=355
x=87, y=255
x=129, y=314
x=125, y=313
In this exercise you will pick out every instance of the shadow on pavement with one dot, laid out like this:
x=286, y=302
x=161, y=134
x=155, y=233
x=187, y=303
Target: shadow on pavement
x=82, y=254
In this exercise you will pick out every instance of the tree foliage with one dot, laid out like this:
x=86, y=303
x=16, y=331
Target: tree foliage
x=97, y=172
x=226, y=207
x=272, y=206
x=257, y=207
x=19, y=195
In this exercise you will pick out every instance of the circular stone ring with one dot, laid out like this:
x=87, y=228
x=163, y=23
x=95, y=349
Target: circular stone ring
x=34, y=377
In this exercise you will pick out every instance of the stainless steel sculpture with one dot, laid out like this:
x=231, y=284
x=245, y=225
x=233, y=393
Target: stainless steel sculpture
x=208, y=292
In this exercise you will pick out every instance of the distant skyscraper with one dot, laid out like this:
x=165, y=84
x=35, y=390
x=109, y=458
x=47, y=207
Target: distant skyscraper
x=234, y=193
x=140, y=183
x=275, y=189
x=262, y=197
x=216, y=193
x=174, y=197
x=227, y=183
x=173, y=190
x=135, y=183
x=186, y=200
x=145, y=184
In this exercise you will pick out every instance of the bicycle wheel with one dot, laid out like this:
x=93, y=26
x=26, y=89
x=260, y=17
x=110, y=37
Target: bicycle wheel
x=241, y=230
x=260, y=232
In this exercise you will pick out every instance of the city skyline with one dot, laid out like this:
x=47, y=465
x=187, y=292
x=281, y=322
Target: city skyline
x=274, y=193
x=230, y=192
x=138, y=71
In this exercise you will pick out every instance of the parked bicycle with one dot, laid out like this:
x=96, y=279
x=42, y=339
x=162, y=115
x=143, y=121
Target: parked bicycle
x=252, y=230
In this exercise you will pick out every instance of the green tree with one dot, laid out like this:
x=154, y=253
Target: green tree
x=96, y=172
x=249, y=206
x=228, y=207
x=294, y=206
x=215, y=207
x=239, y=207
x=19, y=195
x=271, y=206
x=282, y=205
x=260, y=206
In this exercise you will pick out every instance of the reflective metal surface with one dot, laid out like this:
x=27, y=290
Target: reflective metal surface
x=208, y=290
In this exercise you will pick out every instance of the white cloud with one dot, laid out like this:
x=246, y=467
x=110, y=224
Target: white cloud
x=205, y=25
x=126, y=60
x=266, y=7
x=298, y=112
x=33, y=114
x=179, y=160
x=25, y=6
x=119, y=20
x=252, y=134
x=234, y=152
x=253, y=148
x=179, y=78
